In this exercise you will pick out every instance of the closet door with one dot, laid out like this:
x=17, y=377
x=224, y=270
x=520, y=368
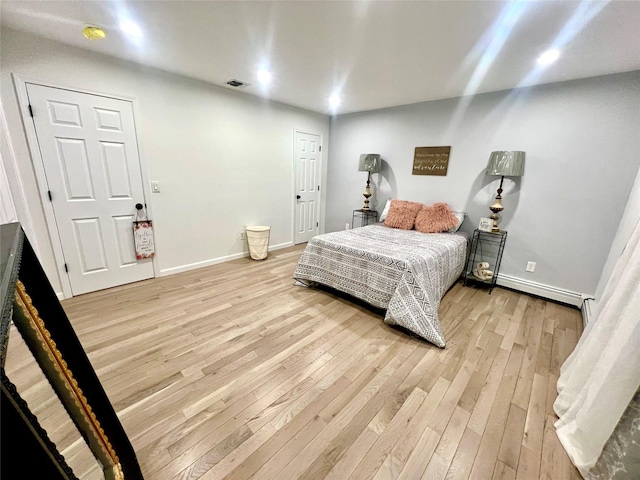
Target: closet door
x=90, y=154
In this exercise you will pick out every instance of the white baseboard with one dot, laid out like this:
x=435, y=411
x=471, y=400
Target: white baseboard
x=541, y=290
x=280, y=246
x=60, y=295
x=214, y=261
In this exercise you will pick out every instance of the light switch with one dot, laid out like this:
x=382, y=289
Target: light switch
x=155, y=187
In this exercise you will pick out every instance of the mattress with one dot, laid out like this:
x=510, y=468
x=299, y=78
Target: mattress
x=404, y=272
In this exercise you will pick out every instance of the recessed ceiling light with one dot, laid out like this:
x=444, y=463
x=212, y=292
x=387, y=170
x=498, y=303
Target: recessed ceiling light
x=335, y=101
x=92, y=32
x=548, y=57
x=131, y=29
x=264, y=76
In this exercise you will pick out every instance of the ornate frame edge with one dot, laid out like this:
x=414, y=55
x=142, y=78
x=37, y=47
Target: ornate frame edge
x=73, y=391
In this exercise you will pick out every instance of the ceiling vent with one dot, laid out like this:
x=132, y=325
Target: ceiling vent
x=237, y=83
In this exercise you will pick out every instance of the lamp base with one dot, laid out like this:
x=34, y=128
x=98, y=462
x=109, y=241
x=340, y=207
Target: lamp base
x=496, y=208
x=495, y=217
x=367, y=193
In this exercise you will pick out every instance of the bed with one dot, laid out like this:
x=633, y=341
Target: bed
x=404, y=272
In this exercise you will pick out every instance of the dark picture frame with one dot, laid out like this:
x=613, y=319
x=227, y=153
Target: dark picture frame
x=35, y=334
x=27, y=299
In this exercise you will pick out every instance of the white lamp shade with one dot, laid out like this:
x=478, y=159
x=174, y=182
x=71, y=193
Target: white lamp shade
x=506, y=163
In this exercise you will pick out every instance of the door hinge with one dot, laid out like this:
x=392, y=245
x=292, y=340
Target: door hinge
x=30, y=110
x=50, y=197
x=66, y=269
x=318, y=187
x=317, y=224
x=319, y=148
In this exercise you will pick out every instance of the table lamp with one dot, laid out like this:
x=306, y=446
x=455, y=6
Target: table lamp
x=369, y=162
x=505, y=164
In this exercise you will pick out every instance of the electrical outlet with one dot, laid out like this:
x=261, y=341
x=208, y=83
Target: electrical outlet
x=346, y=226
x=531, y=267
x=242, y=235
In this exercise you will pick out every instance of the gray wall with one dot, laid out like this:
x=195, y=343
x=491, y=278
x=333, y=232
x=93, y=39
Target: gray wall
x=583, y=151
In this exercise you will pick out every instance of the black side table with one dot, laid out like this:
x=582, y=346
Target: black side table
x=485, y=247
x=364, y=217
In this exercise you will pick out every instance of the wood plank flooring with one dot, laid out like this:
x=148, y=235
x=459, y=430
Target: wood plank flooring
x=232, y=372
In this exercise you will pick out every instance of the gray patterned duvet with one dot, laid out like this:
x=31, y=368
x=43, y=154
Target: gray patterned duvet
x=403, y=271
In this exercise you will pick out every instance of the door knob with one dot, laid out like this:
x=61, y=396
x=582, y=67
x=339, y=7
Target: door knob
x=298, y=197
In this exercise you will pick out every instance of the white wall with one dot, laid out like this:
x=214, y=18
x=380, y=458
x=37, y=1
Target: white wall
x=583, y=151
x=13, y=184
x=224, y=159
x=7, y=208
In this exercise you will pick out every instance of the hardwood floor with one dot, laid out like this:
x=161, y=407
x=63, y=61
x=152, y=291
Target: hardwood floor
x=232, y=372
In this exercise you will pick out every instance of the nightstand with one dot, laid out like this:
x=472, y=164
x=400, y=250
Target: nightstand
x=485, y=247
x=363, y=217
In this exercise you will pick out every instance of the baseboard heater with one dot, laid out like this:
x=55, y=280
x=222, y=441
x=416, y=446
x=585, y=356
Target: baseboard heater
x=541, y=290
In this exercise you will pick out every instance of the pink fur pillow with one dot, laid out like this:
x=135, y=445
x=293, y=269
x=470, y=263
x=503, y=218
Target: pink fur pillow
x=435, y=219
x=402, y=214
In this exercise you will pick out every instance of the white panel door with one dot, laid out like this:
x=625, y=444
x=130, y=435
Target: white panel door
x=308, y=158
x=90, y=155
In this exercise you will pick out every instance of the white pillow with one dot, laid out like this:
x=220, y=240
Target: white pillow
x=460, y=216
x=385, y=210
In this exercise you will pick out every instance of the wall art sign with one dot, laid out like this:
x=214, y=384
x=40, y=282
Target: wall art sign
x=431, y=161
x=143, y=234
x=143, y=239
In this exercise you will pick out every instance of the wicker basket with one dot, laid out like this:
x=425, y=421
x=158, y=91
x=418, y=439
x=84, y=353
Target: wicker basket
x=258, y=240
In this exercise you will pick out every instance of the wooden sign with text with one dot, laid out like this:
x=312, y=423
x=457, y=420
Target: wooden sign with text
x=431, y=161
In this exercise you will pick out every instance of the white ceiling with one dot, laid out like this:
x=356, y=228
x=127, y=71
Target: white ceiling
x=375, y=54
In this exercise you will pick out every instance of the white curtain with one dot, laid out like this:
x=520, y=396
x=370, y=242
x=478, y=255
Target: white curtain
x=600, y=377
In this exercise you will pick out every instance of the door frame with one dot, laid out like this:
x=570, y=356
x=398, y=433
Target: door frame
x=20, y=84
x=295, y=176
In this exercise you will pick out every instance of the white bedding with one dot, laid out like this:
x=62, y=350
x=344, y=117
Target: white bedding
x=403, y=271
